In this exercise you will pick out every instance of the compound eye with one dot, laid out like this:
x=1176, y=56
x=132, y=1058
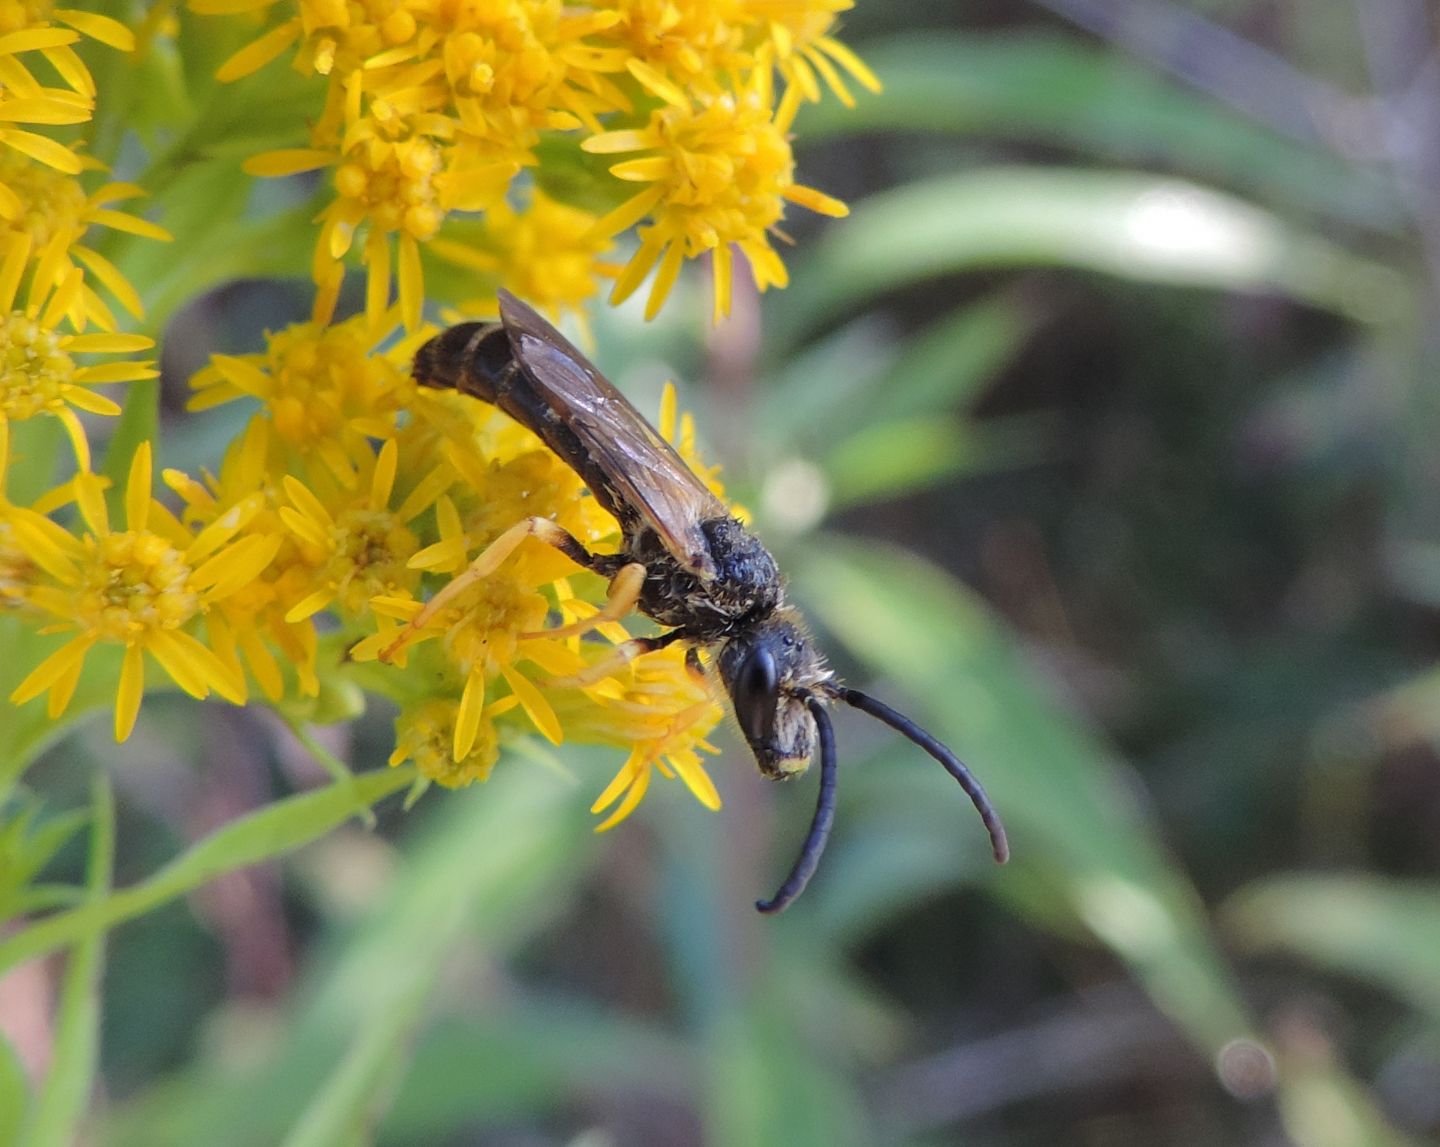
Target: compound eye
x=755, y=695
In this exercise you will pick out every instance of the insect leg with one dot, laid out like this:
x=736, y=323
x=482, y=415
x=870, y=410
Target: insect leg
x=487, y=563
x=618, y=658
x=693, y=665
x=620, y=601
x=809, y=859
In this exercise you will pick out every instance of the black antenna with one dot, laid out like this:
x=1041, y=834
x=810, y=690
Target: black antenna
x=953, y=764
x=809, y=858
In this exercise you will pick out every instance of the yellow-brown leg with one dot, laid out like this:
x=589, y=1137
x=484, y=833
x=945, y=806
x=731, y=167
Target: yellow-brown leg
x=486, y=564
x=620, y=601
x=616, y=660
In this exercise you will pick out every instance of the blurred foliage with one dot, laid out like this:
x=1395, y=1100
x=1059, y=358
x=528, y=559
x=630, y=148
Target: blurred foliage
x=1102, y=437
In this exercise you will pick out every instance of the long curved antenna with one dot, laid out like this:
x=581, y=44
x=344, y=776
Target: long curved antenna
x=809, y=858
x=953, y=764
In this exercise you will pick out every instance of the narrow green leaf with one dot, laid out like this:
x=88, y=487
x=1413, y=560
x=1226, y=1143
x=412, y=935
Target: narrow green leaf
x=1087, y=99
x=60, y=1107
x=273, y=831
x=1384, y=931
x=1134, y=225
x=14, y=1094
x=486, y=867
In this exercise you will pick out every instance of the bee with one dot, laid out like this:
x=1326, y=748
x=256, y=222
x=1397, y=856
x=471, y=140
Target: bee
x=685, y=561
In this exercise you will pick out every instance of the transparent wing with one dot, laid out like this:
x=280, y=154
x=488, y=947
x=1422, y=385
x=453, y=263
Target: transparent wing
x=642, y=469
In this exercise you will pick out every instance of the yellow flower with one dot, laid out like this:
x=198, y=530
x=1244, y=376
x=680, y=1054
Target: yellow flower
x=353, y=545
x=321, y=386
x=696, y=44
x=141, y=587
x=425, y=734
x=795, y=33
x=548, y=254
x=53, y=212
x=38, y=373
x=663, y=714
x=25, y=26
x=720, y=174
x=334, y=35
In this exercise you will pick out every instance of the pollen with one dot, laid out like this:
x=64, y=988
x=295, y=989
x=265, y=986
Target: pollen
x=426, y=735
x=135, y=582
x=35, y=373
x=52, y=202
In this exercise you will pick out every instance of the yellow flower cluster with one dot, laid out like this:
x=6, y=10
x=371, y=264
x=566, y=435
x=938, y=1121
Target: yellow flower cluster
x=434, y=108
x=452, y=131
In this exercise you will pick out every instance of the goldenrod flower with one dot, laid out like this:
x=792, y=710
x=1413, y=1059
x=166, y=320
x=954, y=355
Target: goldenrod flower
x=321, y=386
x=425, y=734
x=141, y=587
x=720, y=175
x=696, y=44
x=333, y=35
x=663, y=714
x=252, y=619
x=796, y=34
x=354, y=544
x=38, y=373
x=549, y=254
x=25, y=27
x=54, y=212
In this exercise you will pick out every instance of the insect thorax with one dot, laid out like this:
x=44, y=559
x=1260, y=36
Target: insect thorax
x=746, y=585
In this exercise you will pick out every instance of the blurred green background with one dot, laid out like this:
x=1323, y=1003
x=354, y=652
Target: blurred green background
x=1102, y=438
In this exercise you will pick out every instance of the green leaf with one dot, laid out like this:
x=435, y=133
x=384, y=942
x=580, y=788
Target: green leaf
x=273, y=831
x=27, y=845
x=1383, y=931
x=1062, y=92
x=1138, y=226
x=14, y=1094
x=1074, y=827
x=60, y=1107
x=765, y=1086
x=491, y=866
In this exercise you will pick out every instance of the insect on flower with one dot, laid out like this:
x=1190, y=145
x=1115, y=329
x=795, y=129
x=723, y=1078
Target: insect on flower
x=685, y=562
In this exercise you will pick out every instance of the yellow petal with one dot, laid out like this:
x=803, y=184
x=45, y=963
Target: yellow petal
x=108, y=344
x=288, y=161
x=131, y=690
x=113, y=280
x=38, y=147
x=850, y=62
x=130, y=224
x=412, y=281
x=115, y=372
x=90, y=402
x=258, y=53
x=52, y=669
x=467, y=717
x=625, y=216
x=92, y=503
x=696, y=779
x=536, y=707
x=817, y=201
x=664, y=280
x=382, y=481
x=306, y=502
x=609, y=142
x=101, y=28
x=656, y=83
x=34, y=39
x=621, y=781
x=310, y=606
x=628, y=805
